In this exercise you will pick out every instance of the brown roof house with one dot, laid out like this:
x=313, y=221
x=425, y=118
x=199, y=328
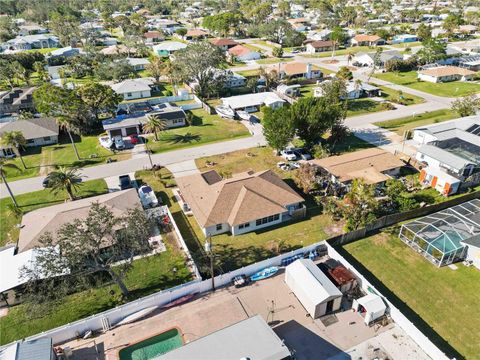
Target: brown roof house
x=224, y=43
x=297, y=70
x=37, y=132
x=367, y=40
x=49, y=219
x=446, y=74
x=374, y=166
x=243, y=203
x=319, y=46
x=195, y=34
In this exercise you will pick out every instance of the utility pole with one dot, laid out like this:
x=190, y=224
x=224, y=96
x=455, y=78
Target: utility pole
x=209, y=250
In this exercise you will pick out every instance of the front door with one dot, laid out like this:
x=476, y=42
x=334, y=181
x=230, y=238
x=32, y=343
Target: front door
x=329, y=306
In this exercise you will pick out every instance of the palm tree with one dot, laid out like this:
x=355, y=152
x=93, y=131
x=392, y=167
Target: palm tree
x=66, y=124
x=14, y=139
x=4, y=164
x=349, y=57
x=64, y=179
x=154, y=124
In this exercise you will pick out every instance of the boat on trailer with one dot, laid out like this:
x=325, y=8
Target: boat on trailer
x=225, y=112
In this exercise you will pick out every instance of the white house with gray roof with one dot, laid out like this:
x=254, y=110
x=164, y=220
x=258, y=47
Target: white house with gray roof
x=132, y=89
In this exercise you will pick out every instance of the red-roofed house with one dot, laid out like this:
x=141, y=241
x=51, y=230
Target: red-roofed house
x=223, y=43
x=367, y=40
x=153, y=37
x=242, y=53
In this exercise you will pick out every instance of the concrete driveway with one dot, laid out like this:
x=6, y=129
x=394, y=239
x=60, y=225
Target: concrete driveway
x=113, y=184
x=184, y=168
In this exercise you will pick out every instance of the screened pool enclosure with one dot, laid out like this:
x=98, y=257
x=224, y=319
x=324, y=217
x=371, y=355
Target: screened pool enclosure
x=439, y=236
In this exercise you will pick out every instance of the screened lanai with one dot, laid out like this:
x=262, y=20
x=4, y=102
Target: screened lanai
x=438, y=236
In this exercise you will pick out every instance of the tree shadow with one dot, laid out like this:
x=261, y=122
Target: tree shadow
x=363, y=105
x=183, y=139
x=425, y=328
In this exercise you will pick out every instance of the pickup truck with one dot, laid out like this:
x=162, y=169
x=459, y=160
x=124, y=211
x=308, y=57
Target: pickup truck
x=125, y=182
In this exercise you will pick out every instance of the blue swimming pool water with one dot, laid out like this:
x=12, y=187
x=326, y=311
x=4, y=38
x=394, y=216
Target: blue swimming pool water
x=153, y=347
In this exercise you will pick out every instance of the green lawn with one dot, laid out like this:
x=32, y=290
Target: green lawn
x=148, y=275
x=403, y=98
x=249, y=73
x=273, y=60
x=410, y=122
x=405, y=45
x=363, y=106
x=42, y=51
x=253, y=48
x=89, y=148
x=264, y=43
x=442, y=300
x=206, y=129
x=350, y=50
x=35, y=200
x=449, y=89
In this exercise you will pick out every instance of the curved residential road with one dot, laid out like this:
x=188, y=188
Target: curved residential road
x=127, y=166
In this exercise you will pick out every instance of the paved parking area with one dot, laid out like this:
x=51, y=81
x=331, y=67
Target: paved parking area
x=347, y=338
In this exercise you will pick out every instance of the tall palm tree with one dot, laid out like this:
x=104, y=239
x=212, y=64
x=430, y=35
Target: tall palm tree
x=64, y=179
x=66, y=124
x=154, y=124
x=14, y=139
x=4, y=164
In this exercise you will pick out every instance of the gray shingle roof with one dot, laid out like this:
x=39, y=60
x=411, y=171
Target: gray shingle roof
x=32, y=128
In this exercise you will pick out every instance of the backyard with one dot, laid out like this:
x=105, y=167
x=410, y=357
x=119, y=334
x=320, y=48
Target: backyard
x=411, y=122
x=442, y=301
x=35, y=200
x=449, y=89
x=205, y=128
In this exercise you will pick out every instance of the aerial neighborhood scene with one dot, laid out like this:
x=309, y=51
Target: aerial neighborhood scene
x=239, y=179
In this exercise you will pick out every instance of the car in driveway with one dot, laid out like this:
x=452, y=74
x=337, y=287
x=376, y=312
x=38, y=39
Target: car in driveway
x=147, y=196
x=302, y=154
x=124, y=182
x=106, y=142
x=288, y=154
x=119, y=143
x=134, y=139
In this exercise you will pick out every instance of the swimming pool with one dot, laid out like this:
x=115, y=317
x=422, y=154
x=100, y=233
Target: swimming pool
x=152, y=347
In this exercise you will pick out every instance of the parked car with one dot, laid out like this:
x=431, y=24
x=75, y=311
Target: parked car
x=147, y=196
x=295, y=51
x=240, y=281
x=288, y=154
x=119, y=143
x=106, y=142
x=302, y=154
x=125, y=182
x=134, y=139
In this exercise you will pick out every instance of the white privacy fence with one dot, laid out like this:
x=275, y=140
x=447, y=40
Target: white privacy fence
x=94, y=322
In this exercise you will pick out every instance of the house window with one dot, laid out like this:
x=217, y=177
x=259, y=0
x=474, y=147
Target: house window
x=30, y=141
x=129, y=94
x=268, y=219
x=244, y=226
x=219, y=227
x=46, y=138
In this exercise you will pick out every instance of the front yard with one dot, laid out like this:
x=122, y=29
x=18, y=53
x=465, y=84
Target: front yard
x=411, y=122
x=205, y=128
x=439, y=301
x=273, y=60
x=449, y=89
x=339, y=52
x=34, y=200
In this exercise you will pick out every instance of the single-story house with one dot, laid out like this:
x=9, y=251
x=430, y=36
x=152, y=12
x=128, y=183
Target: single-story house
x=173, y=117
x=224, y=43
x=243, y=203
x=367, y=40
x=167, y=48
x=323, y=34
x=134, y=88
x=371, y=307
x=31, y=29
x=252, y=336
x=37, y=132
x=138, y=64
x=242, y=53
x=38, y=349
x=107, y=41
x=368, y=59
x=118, y=50
x=153, y=37
x=374, y=166
x=51, y=218
x=16, y=100
x=235, y=80
x=29, y=42
x=63, y=52
x=354, y=90
x=445, y=74
x=296, y=70
x=468, y=29
x=470, y=62
x=289, y=90
x=319, y=46
x=195, y=34
x=318, y=295
x=253, y=102
x=404, y=39
x=473, y=250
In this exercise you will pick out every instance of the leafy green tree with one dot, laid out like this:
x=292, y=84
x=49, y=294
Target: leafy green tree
x=424, y=33
x=306, y=177
x=66, y=27
x=283, y=7
x=199, y=63
x=42, y=73
x=223, y=23
x=114, y=70
x=278, y=127
x=433, y=50
x=82, y=245
x=181, y=31
x=277, y=52
x=360, y=205
x=14, y=140
x=345, y=73
x=156, y=68
x=99, y=98
x=451, y=23
x=64, y=179
x=6, y=71
x=337, y=36
x=466, y=106
x=7, y=28
x=154, y=125
x=281, y=32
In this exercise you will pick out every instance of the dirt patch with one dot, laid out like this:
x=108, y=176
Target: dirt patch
x=381, y=239
x=45, y=163
x=335, y=228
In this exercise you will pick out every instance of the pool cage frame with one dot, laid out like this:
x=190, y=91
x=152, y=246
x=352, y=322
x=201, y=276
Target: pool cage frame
x=438, y=236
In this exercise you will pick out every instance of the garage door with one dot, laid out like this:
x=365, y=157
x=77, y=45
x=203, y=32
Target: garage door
x=131, y=131
x=117, y=132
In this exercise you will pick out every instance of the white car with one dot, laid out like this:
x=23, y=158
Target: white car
x=147, y=196
x=119, y=143
x=288, y=155
x=106, y=142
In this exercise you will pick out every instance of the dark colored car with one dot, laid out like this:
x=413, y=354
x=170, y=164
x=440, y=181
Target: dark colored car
x=125, y=182
x=302, y=154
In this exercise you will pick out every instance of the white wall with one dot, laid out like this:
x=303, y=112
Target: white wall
x=137, y=95
x=421, y=137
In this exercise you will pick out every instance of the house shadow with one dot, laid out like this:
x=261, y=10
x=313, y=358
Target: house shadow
x=92, y=351
x=416, y=319
x=305, y=344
